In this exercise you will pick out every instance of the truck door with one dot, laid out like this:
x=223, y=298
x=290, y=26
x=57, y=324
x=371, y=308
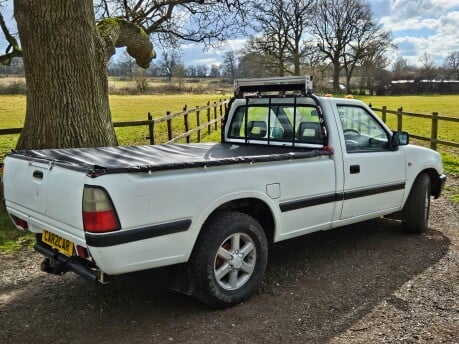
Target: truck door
x=374, y=175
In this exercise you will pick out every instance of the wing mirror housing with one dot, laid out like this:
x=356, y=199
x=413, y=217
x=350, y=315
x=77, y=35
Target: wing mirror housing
x=399, y=138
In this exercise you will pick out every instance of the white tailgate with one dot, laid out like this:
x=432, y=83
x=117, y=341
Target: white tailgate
x=46, y=197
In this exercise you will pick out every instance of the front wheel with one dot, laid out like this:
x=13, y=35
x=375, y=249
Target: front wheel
x=229, y=259
x=417, y=207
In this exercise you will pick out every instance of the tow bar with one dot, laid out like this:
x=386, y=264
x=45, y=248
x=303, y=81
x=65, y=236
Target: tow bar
x=58, y=264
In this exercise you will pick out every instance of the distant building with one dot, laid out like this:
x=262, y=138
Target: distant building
x=401, y=87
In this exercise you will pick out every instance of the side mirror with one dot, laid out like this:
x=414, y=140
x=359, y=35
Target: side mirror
x=399, y=138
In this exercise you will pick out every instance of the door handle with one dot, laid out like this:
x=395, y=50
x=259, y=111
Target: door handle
x=38, y=174
x=354, y=169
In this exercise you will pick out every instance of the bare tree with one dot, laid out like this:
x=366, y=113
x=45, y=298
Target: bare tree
x=191, y=20
x=255, y=61
x=282, y=24
x=170, y=63
x=270, y=19
x=428, y=69
x=368, y=47
x=230, y=64
x=66, y=63
x=451, y=63
x=400, y=69
x=336, y=24
x=215, y=71
x=373, y=68
x=201, y=71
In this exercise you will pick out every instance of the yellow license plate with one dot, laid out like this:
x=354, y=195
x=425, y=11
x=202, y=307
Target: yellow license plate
x=63, y=245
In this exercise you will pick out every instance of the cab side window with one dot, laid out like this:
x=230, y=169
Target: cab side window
x=362, y=133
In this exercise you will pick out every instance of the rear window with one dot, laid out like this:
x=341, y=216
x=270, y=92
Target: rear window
x=277, y=123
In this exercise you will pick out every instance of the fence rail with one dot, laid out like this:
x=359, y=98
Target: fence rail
x=214, y=113
x=434, y=117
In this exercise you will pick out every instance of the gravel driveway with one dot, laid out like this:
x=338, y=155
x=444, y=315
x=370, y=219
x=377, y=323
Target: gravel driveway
x=367, y=283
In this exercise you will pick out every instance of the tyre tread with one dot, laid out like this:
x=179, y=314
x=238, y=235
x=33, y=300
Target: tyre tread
x=204, y=291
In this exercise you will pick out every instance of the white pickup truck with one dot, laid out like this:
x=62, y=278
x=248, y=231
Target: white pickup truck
x=289, y=164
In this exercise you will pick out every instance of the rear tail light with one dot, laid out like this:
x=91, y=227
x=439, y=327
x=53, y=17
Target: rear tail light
x=20, y=223
x=99, y=215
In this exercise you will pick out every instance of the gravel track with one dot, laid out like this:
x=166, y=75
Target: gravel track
x=367, y=283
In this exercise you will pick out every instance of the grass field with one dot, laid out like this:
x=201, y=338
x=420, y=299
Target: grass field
x=131, y=108
x=124, y=108
x=445, y=105
x=136, y=107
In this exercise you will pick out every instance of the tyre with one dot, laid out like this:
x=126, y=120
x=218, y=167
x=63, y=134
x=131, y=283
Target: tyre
x=229, y=259
x=417, y=207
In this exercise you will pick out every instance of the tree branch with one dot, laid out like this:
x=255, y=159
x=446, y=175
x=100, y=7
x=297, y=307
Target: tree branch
x=121, y=33
x=13, y=44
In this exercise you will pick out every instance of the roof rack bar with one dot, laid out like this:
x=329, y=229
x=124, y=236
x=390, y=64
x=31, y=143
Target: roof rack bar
x=302, y=84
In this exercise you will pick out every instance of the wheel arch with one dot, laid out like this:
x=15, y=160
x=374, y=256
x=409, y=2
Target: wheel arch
x=435, y=182
x=253, y=206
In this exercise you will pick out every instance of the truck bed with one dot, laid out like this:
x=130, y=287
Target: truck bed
x=104, y=160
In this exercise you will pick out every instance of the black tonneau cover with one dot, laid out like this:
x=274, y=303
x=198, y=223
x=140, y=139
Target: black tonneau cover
x=104, y=160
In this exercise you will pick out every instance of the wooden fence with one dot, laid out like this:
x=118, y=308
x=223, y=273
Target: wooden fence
x=213, y=112
x=434, y=117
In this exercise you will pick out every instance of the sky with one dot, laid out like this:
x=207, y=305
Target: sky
x=417, y=26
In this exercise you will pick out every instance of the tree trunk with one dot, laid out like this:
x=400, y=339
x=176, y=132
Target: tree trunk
x=336, y=72
x=65, y=63
x=281, y=65
x=296, y=63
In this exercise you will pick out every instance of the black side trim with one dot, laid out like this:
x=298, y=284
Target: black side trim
x=309, y=202
x=373, y=191
x=339, y=196
x=123, y=237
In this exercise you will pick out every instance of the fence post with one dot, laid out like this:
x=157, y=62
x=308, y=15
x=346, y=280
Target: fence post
x=151, y=129
x=215, y=116
x=198, y=123
x=208, y=117
x=384, y=113
x=434, y=132
x=187, y=126
x=215, y=112
x=399, y=119
x=169, y=126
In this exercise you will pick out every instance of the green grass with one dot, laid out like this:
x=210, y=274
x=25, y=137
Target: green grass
x=445, y=105
x=136, y=107
x=123, y=108
x=131, y=108
x=12, y=239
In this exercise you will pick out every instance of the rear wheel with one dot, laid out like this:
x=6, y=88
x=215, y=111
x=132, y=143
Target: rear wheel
x=229, y=259
x=417, y=207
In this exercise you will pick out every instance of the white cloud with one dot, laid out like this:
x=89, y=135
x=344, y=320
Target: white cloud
x=206, y=61
x=401, y=9
x=194, y=54
x=423, y=26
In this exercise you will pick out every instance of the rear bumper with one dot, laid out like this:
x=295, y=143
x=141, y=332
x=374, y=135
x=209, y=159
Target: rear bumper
x=62, y=263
